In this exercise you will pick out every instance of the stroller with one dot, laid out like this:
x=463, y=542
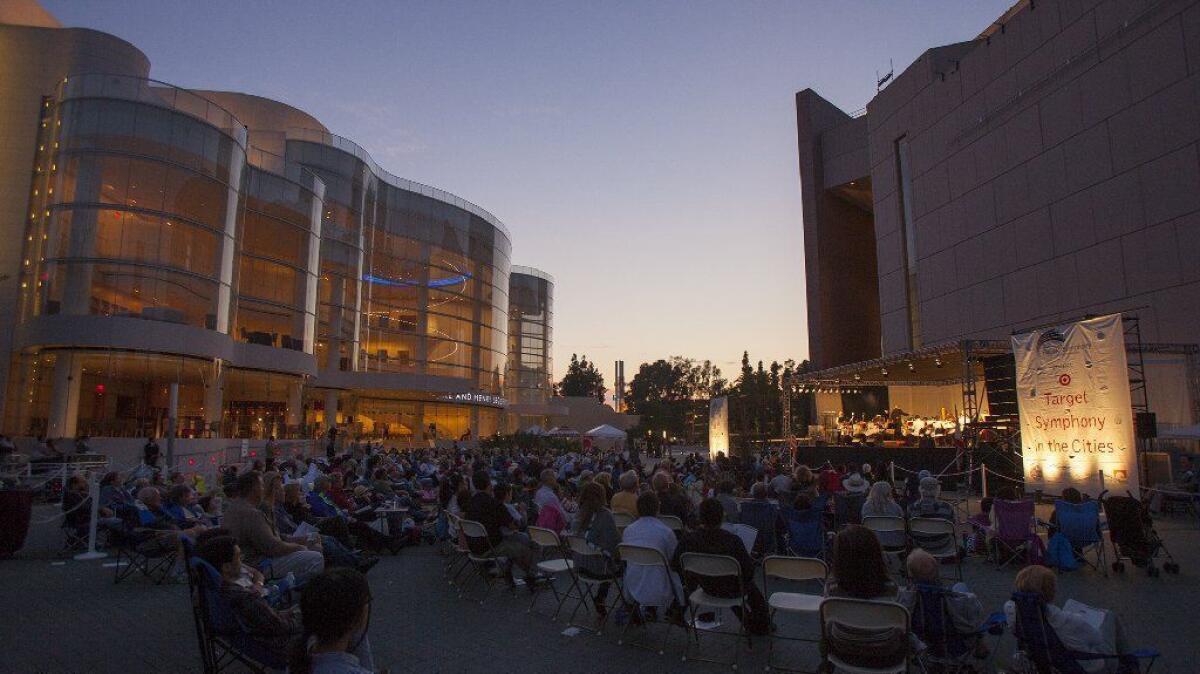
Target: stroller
x=1133, y=536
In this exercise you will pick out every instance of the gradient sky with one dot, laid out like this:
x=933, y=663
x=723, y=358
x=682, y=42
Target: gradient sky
x=643, y=153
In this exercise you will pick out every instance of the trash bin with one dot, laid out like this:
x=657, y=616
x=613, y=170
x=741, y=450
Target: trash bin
x=15, y=508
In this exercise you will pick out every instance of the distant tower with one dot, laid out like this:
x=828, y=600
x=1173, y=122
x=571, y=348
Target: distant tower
x=619, y=387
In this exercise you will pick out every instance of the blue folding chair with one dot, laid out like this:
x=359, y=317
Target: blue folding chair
x=805, y=530
x=946, y=649
x=1042, y=647
x=224, y=640
x=764, y=516
x=1080, y=524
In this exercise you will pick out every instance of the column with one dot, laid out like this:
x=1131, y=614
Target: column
x=295, y=408
x=331, y=402
x=214, y=398
x=77, y=286
x=64, y=401
x=474, y=423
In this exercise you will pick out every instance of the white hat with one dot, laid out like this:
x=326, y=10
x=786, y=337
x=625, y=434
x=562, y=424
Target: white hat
x=855, y=484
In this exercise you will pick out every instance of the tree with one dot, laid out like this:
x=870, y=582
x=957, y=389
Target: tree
x=669, y=394
x=582, y=379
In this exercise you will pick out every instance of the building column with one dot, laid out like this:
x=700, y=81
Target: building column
x=474, y=424
x=64, y=401
x=331, y=403
x=214, y=399
x=295, y=408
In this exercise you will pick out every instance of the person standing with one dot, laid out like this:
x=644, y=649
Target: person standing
x=151, y=453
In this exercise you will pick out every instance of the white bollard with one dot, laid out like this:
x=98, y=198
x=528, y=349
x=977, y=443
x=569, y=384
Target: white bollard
x=94, y=493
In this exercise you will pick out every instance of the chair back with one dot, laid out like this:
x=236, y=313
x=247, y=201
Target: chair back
x=932, y=526
x=864, y=613
x=1079, y=522
x=761, y=515
x=220, y=617
x=580, y=546
x=1037, y=639
x=622, y=519
x=640, y=555
x=868, y=635
x=806, y=531
x=544, y=538
x=847, y=508
x=673, y=522
x=795, y=568
x=472, y=529
x=1014, y=519
x=884, y=524
x=712, y=566
x=932, y=623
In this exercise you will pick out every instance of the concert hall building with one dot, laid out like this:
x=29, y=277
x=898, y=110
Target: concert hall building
x=226, y=257
x=1045, y=170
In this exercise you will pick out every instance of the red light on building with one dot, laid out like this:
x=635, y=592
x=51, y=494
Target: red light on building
x=99, y=389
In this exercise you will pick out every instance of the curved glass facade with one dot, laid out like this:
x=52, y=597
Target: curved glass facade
x=530, y=325
x=286, y=292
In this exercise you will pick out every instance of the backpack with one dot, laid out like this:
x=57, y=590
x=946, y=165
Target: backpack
x=1060, y=554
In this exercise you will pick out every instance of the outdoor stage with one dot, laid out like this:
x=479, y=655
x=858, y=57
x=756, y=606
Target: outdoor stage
x=934, y=460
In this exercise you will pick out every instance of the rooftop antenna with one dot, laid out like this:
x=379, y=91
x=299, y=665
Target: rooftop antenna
x=880, y=81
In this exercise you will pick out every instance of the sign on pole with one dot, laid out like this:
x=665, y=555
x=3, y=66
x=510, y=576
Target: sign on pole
x=1076, y=414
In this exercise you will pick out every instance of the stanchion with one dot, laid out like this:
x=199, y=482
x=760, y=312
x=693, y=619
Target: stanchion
x=892, y=470
x=94, y=494
x=1101, y=473
x=983, y=478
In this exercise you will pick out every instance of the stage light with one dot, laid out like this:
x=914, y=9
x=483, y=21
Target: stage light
x=937, y=362
x=912, y=366
x=883, y=371
x=857, y=377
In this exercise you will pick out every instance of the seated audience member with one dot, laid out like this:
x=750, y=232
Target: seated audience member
x=651, y=586
x=710, y=538
x=594, y=522
x=323, y=503
x=804, y=482
x=154, y=516
x=335, y=553
x=503, y=494
x=727, y=501
x=1075, y=632
x=963, y=607
x=336, y=610
x=272, y=628
x=625, y=501
x=831, y=480
x=113, y=493
x=77, y=509
x=547, y=493
x=671, y=501
x=859, y=570
x=880, y=503
x=248, y=524
x=486, y=510
x=183, y=507
x=929, y=505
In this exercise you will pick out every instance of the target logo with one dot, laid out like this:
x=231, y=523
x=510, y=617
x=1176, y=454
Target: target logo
x=1064, y=380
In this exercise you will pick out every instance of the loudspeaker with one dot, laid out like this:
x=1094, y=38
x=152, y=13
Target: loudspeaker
x=1145, y=424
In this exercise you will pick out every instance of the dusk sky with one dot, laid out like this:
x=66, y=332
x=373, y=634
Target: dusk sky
x=643, y=153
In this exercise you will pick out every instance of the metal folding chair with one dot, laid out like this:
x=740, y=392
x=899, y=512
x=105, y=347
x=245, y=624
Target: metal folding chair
x=794, y=569
x=588, y=586
x=673, y=522
x=548, y=543
x=638, y=555
x=486, y=562
x=715, y=566
x=864, y=617
x=890, y=531
x=926, y=532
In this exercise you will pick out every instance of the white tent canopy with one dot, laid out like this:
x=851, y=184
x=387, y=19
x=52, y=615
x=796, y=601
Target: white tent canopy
x=606, y=431
x=535, y=430
x=563, y=431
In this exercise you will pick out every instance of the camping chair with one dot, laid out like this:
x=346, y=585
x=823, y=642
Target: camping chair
x=797, y=569
x=547, y=541
x=946, y=649
x=1015, y=530
x=588, y=584
x=1040, y=645
x=890, y=528
x=150, y=551
x=1080, y=523
x=486, y=563
x=715, y=566
x=872, y=634
x=764, y=516
x=936, y=536
x=638, y=555
x=223, y=637
x=847, y=509
x=806, y=531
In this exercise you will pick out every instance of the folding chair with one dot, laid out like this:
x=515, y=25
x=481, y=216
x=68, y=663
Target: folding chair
x=548, y=542
x=847, y=509
x=223, y=639
x=806, y=531
x=713, y=567
x=638, y=555
x=138, y=549
x=622, y=520
x=1040, y=645
x=892, y=533
x=1080, y=523
x=483, y=559
x=457, y=554
x=936, y=536
x=946, y=649
x=861, y=621
x=1015, y=530
x=587, y=584
x=764, y=516
x=796, y=569
x=673, y=522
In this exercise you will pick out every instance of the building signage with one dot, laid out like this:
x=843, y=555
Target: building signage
x=474, y=399
x=718, y=426
x=1076, y=415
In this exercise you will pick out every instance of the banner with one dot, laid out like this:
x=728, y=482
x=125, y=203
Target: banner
x=718, y=426
x=1076, y=415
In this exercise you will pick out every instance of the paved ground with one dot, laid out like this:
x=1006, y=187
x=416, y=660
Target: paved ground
x=69, y=617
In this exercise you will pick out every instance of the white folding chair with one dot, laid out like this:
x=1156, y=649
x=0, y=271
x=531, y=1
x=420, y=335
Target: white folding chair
x=892, y=533
x=795, y=569
x=639, y=555
x=622, y=520
x=590, y=586
x=673, y=522
x=924, y=530
x=548, y=543
x=867, y=617
x=715, y=566
x=483, y=563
